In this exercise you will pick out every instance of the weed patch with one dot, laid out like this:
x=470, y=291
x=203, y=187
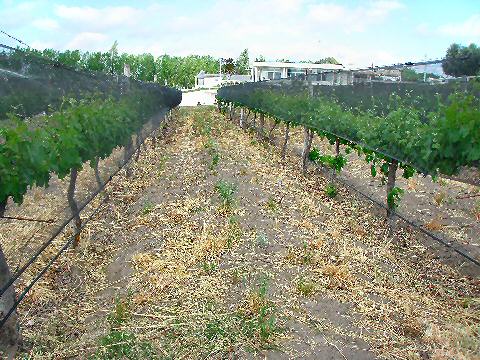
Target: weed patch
x=227, y=192
x=331, y=190
x=119, y=343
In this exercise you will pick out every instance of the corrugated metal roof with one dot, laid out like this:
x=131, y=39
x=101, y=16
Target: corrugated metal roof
x=297, y=65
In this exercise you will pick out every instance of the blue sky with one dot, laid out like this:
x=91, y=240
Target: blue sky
x=355, y=32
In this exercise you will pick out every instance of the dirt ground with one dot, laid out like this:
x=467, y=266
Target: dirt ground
x=448, y=208
x=214, y=248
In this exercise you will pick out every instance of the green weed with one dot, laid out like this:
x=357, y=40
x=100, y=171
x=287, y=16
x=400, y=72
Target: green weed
x=234, y=231
x=259, y=317
x=148, y=206
x=209, y=267
x=162, y=163
x=226, y=191
x=261, y=240
x=306, y=287
x=271, y=204
x=121, y=312
x=121, y=344
x=331, y=191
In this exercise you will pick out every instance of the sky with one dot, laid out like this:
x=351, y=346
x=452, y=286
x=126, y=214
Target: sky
x=357, y=33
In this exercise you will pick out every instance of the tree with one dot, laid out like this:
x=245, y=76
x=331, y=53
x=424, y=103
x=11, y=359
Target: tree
x=70, y=58
x=327, y=60
x=243, y=63
x=412, y=75
x=172, y=70
x=462, y=60
x=229, y=66
x=113, y=66
x=260, y=58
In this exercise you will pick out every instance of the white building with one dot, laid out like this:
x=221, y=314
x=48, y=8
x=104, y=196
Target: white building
x=203, y=80
x=327, y=73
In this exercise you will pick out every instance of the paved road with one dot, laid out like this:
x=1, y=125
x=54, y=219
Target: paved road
x=192, y=98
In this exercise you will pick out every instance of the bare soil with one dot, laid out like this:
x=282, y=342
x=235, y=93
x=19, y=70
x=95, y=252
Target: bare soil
x=214, y=248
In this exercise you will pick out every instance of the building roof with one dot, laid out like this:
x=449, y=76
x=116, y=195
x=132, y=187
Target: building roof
x=203, y=75
x=293, y=65
x=236, y=77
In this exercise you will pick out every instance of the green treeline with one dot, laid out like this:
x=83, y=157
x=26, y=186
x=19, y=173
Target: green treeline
x=179, y=71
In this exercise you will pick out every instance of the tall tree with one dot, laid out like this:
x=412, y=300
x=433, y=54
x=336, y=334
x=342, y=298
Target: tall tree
x=462, y=60
x=114, y=59
x=172, y=70
x=242, y=65
x=327, y=60
x=412, y=75
x=229, y=66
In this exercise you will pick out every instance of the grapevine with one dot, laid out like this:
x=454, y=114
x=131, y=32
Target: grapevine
x=432, y=133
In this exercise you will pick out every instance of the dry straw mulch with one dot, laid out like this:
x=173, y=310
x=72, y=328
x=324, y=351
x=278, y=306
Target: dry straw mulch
x=276, y=269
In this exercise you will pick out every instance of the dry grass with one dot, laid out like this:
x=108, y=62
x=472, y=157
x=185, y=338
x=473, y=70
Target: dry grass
x=194, y=280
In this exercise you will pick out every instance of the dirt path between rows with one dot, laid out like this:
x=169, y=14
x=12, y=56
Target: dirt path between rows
x=215, y=249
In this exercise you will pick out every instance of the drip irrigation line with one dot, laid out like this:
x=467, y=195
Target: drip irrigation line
x=70, y=240
x=467, y=196
x=27, y=219
x=8, y=47
x=24, y=246
x=14, y=38
x=50, y=263
x=343, y=137
x=92, y=74
x=363, y=145
x=67, y=221
x=409, y=222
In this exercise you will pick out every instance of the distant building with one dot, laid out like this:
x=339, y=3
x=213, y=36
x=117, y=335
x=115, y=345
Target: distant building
x=203, y=80
x=383, y=75
x=207, y=80
x=322, y=74
x=328, y=74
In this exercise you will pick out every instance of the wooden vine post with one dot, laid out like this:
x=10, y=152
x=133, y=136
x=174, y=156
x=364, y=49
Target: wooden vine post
x=127, y=152
x=230, y=111
x=285, y=141
x=138, y=141
x=274, y=126
x=241, y=117
x=307, y=133
x=73, y=205
x=337, y=146
x=97, y=173
x=246, y=117
x=392, y=171
x=307, y=144
x=9, y=333
x=261, y=124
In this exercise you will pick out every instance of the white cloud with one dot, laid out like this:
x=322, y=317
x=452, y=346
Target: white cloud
x=352, y=19
x=91, y=41
x=42, y=45
x=423, y=29
x=100, y=18
x=45, y=24
x=274, y=28
x=469, y=29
